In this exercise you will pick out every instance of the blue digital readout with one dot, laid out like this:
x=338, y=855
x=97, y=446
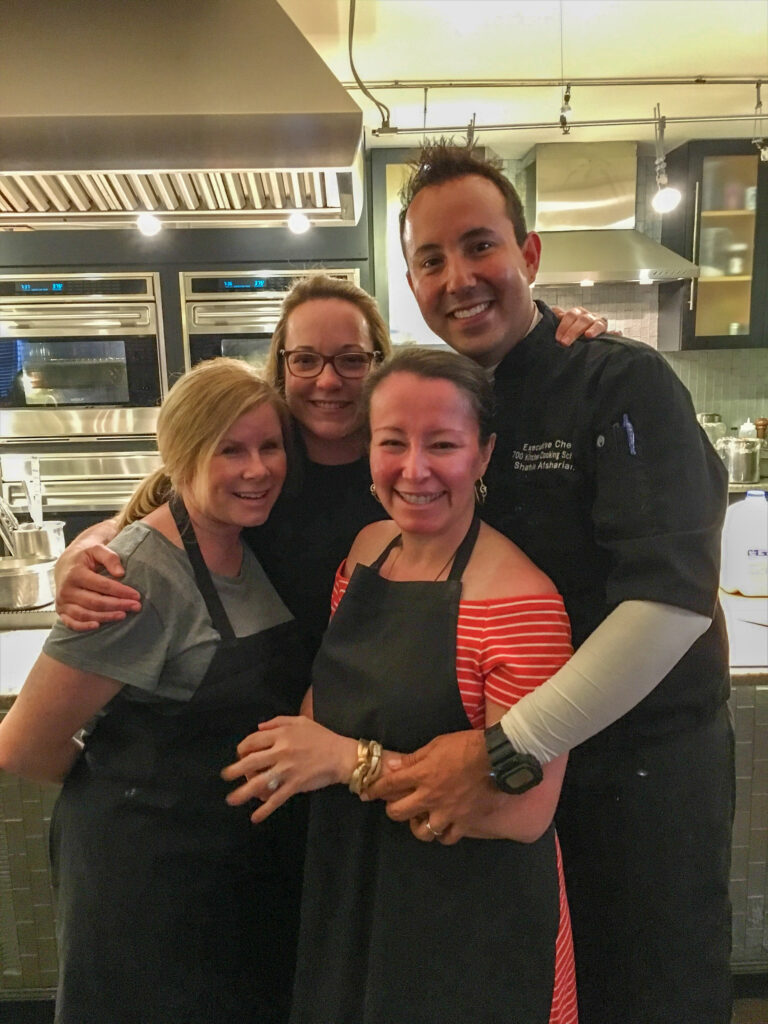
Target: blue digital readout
x=244, y=286
x=25, y=286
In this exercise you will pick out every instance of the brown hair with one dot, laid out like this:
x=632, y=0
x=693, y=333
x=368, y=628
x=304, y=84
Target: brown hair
x=442, y=161
x=439, y=364
x=321, y=286
x=197, y=412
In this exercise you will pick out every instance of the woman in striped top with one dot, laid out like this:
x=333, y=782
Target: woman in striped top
x=440, y=624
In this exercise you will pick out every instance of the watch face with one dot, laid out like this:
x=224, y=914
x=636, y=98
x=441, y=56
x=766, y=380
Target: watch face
x=520, y=773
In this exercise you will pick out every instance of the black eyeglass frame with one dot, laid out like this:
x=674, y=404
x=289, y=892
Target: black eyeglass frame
x=370, y=357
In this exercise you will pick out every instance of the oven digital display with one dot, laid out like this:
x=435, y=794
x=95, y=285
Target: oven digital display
x=93, y=286
x=231, y=284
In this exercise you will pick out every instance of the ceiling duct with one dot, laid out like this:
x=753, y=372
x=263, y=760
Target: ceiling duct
x=203, y=114
x=585, y=204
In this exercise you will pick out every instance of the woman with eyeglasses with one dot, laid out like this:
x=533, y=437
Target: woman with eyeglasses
x=329, y=335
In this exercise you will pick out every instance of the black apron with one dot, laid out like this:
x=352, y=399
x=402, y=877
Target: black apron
x=396, y=931
x=172, y=907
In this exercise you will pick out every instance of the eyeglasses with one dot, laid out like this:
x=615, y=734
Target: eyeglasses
x=351, y=365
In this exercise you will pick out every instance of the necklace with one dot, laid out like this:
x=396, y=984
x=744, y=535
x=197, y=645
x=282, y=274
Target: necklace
x=400, y=551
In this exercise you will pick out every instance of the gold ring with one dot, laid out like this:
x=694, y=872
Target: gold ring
x=434, y=831
x=274, y=783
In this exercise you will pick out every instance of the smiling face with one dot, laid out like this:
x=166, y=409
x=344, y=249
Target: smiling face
x=425, y=453
x=327, y=407
x=466, y=269
x=245, y=473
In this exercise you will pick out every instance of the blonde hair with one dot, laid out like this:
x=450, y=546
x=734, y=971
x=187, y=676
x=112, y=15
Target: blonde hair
x=321, y=286
x=197, y=412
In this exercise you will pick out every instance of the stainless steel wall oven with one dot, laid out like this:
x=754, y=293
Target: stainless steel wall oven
x=234, y=314
x=82, y=373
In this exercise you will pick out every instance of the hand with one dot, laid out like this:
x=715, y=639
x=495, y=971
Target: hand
x=578, y=322
x=84, y=597
x=446, y=782
x=288, y=755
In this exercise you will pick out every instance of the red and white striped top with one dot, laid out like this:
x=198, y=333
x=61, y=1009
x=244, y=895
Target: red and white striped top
x=505, y=648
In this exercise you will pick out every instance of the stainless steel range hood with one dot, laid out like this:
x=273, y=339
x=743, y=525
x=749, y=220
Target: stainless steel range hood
x=585, y=212
x=203, y=114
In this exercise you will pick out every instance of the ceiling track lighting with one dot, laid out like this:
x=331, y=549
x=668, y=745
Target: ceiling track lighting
x=757, y=140
x=666, y=197
x=565, y=111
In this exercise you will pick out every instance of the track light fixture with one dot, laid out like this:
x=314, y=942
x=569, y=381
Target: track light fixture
x=757, y=140
x=666, y=197
x=565, y=111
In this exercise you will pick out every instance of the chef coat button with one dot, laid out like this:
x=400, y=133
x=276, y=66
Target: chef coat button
x=131, y=792
x=601, y=440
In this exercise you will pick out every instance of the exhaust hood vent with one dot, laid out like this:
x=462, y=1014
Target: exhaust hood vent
x=210, y=114
x=585, y=213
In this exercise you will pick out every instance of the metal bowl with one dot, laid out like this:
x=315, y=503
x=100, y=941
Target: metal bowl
x=25, y=583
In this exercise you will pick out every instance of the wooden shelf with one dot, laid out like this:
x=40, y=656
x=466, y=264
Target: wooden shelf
x=740, y=278
x=718, y=214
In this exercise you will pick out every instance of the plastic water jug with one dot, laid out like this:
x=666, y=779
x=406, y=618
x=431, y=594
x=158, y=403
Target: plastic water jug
x=744, y=566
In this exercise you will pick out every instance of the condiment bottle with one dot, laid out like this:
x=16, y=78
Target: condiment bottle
x=761, y=426
x=748, y=429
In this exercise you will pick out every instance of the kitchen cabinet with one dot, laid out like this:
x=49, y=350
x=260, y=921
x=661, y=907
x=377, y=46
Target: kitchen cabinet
x=722, y=225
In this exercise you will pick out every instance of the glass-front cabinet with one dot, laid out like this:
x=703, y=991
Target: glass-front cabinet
x=721, y=226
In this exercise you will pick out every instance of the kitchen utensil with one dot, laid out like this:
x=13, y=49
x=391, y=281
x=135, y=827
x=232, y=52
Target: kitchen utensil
x=43, y=541
x=9, y=524
x=712, y=425
x=33, y=489
x=25, y=583
x=741, y=456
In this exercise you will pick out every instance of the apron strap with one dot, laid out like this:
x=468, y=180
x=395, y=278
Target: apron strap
x=205, y=584
x=460, y=559
x=394, y=543
x=464, y=550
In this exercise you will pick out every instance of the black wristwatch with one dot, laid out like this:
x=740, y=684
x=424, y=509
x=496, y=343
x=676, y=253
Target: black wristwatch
x=512, y=772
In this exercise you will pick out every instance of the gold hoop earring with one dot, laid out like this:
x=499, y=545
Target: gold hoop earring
x=372, y=489
x=481, y=492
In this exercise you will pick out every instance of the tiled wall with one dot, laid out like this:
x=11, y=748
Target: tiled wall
x=749, y=867
x=732, y=382
x=630, y=308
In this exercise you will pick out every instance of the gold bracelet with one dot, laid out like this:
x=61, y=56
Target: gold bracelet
x=368, y=767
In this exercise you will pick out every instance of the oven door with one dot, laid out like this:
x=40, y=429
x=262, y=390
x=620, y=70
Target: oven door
x=242, y=330
x=92, y=356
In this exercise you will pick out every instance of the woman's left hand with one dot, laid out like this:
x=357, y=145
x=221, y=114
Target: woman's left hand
x=578, y=322
x=288, y=755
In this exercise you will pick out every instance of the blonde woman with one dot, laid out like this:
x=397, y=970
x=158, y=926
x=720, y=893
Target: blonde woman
x=172, y=909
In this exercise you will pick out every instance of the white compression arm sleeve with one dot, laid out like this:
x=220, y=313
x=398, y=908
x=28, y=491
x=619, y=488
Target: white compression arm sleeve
x=628, y=654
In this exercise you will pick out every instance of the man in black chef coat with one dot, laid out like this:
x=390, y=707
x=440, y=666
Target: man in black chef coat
x=602, y=475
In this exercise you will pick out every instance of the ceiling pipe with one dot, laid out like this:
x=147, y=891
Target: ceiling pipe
x=539, y=125
x=541, y=83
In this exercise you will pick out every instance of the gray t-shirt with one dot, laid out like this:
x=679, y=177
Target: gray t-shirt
x=164, y=650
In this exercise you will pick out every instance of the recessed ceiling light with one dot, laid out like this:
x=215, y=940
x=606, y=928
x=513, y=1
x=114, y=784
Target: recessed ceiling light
x=298, y=223
x=148, y=224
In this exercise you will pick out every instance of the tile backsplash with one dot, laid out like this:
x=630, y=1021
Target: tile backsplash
x=630, y=308
x=732, y=382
